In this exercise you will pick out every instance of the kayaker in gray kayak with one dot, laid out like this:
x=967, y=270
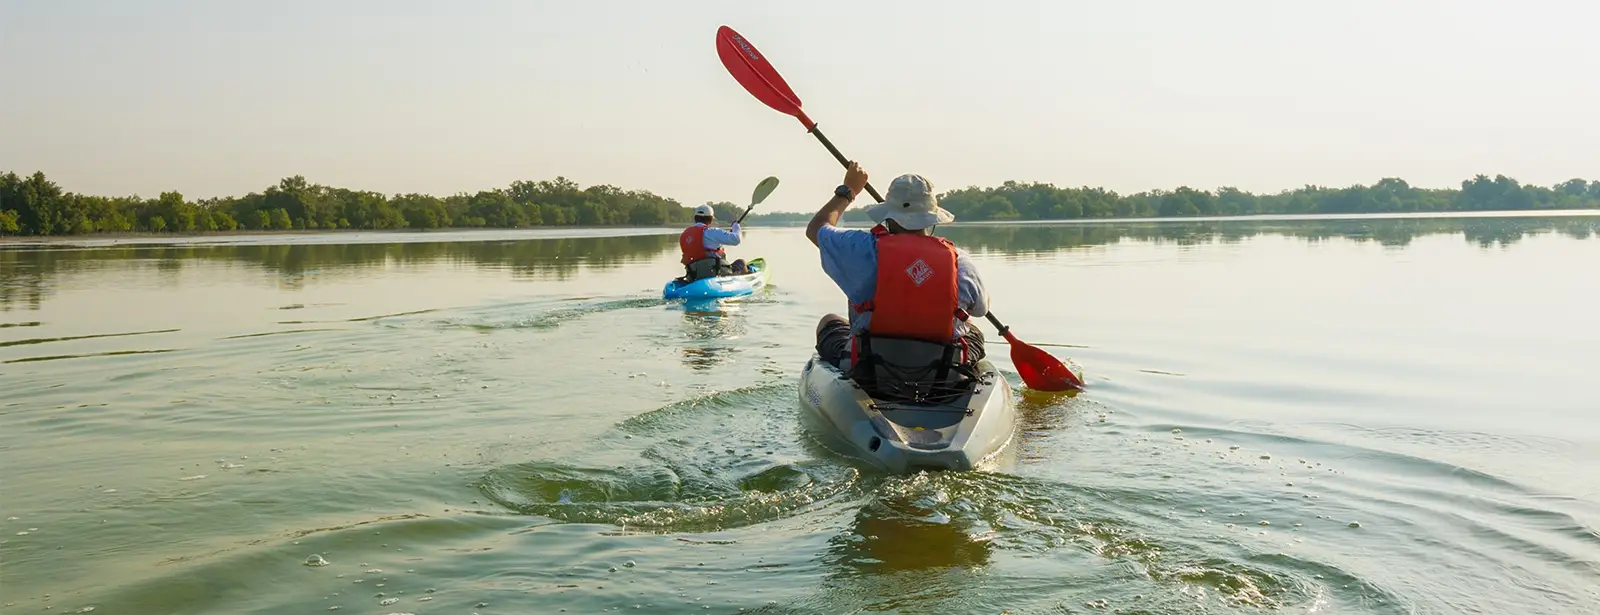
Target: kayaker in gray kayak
x=903, y=383
x=702, y=246
x=902, y=283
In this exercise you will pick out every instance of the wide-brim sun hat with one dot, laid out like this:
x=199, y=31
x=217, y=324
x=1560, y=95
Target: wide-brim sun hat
x=911, y=203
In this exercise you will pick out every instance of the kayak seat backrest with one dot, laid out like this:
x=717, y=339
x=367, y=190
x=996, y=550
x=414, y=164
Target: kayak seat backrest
x=707, y=268
x=911, y=370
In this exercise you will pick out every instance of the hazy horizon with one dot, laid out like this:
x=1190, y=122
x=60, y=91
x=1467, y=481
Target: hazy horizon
x=219, y=100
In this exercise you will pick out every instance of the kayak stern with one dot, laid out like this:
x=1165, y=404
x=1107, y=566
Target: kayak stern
x=721, y=287
x=969, y=433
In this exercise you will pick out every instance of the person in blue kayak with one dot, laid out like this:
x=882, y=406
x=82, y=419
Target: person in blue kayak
x=902, y=283
x=702, y=246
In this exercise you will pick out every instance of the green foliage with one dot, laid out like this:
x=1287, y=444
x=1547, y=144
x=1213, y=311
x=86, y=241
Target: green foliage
x=205, y=223
x=1035, y=201
x=39, y=207
x=81, y=225
x=9, y=222
x=280, y=220
x=178, y=215
x=423, y=211
x=33, y=205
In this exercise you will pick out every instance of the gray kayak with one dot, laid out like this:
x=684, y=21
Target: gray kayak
x=966, y=432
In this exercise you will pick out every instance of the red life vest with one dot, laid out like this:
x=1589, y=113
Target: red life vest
x=916, y=294
x=693, y=244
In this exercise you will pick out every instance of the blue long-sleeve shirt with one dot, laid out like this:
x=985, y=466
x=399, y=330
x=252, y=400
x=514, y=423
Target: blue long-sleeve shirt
x=715, y=237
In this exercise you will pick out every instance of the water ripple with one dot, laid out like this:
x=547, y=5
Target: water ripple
x=47, y=340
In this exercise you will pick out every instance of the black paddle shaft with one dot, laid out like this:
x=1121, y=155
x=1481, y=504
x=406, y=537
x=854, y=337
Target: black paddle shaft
x=840, y=157
x=996, y=322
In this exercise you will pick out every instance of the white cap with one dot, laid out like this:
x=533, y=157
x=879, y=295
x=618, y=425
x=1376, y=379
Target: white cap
x=704, y=210
x=910, y=202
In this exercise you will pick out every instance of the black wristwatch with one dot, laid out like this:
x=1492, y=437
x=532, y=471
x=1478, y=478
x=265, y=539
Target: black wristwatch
x=843, y=192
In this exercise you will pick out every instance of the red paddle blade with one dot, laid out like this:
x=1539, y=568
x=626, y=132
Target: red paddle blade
x=1040, y=370
x=752, y=71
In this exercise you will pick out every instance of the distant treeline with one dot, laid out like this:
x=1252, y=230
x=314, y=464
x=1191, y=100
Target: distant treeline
x=1013, y=200
x=34, y=205
x=1485, y=232
x=1038, y=201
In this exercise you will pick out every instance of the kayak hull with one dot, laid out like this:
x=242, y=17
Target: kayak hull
x=973, y=432
x=721, y=287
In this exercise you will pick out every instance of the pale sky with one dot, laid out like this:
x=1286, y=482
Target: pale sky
x=214, y=98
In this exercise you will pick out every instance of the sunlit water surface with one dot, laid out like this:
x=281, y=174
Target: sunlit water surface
x=1352, y=416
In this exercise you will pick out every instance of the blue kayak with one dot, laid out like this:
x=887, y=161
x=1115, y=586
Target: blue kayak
x=721, y=286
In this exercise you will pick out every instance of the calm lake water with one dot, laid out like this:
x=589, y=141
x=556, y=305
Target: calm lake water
x=1313, y=416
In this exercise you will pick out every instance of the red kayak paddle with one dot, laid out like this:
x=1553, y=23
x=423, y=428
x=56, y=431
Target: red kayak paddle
x=1039, y=369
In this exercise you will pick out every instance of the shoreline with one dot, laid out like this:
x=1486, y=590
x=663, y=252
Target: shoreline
x=558, y=232
x=323, y=236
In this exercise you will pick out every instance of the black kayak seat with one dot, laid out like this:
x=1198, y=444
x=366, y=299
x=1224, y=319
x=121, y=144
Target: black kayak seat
x=909, y=370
